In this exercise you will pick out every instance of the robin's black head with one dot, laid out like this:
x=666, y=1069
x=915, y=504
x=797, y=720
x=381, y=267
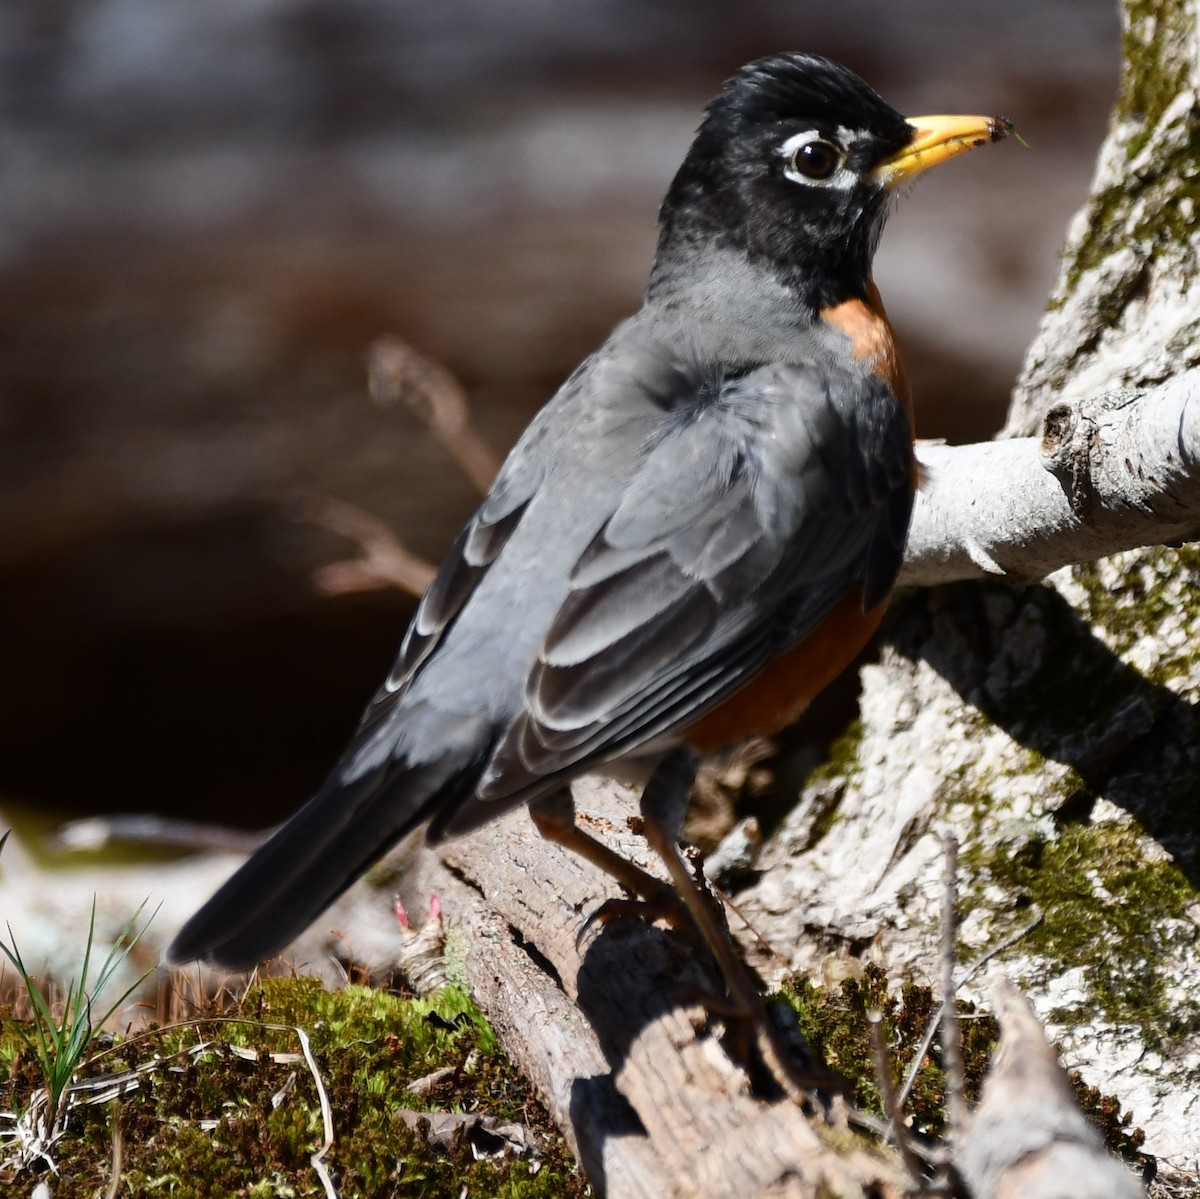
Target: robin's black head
x=794, y=165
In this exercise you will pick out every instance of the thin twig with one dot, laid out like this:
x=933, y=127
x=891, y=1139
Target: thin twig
x=887, y=1091
x=935, y=1019
x=383, y=561
x=998, y=948
x=399, y=373
x=952, y=1063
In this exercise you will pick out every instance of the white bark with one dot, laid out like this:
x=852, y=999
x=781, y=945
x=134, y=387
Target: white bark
x=1124, y=312
x=1108, y=474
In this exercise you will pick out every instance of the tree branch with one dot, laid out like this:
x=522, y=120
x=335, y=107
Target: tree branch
x=1111, y=473
x=1028, y=1137
x=609, y=1029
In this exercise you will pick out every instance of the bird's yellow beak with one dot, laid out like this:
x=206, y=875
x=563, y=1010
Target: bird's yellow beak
x=934, y=140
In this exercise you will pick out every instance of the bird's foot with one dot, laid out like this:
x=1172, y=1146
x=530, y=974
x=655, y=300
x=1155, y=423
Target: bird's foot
x=662, y=904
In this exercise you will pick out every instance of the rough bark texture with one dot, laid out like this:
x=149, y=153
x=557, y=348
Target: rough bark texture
x=1123, y=312
x=609, y=1029
x=1026, y=1136
x=1054, y=727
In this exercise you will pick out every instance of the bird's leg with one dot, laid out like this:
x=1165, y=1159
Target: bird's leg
x=554, y=817
x=664, y=805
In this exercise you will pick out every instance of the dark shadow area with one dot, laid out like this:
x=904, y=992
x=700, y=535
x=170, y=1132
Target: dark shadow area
x=1028, y=660
x=632, y=975
x=232, y=717
x=657, y=969
x=805, y=745
x=599, y=1111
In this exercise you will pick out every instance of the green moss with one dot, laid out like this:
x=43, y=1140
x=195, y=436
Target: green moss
x=841, y=763
x=1147, y=211
x=262, y=1117
x=836, y=1027
x=826, y=783
x=1156, y=52
x=1156, y=586
x=1106, y=910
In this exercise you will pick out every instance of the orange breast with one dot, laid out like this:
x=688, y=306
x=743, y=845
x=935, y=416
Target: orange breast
x=866, y=324
x=872, y=342
x=776, y=696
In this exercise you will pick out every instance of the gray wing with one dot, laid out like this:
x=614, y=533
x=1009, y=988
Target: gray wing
x=473, y=552
x=764, y=499
x=706, y=523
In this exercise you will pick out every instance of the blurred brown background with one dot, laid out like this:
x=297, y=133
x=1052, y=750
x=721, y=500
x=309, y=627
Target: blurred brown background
x=209, y=211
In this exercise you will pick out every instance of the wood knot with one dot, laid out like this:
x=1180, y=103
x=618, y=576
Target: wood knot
x=1066, y=445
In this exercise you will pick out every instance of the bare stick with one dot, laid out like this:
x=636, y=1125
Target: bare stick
x=382, y=562
x=118, y=1155
x=398, y=373
x=956, y=1105
x=935, y=1019
x=887, y=1092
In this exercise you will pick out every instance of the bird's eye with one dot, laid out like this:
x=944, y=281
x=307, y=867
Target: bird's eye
x=814, y=160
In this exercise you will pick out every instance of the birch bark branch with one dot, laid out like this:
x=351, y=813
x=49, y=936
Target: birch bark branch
x=1108, y=474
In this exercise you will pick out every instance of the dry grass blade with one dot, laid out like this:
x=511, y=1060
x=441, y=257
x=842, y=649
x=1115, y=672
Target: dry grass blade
x=318, y=1158
x=114, y=1180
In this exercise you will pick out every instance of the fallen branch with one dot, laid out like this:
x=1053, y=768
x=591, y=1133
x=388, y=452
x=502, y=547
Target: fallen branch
x=634, y=1073
x=1028, y=1137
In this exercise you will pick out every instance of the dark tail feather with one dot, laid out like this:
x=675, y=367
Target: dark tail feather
x=306, y=865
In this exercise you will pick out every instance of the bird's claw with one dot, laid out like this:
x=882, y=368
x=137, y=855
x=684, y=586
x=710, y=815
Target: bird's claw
x=664, y=905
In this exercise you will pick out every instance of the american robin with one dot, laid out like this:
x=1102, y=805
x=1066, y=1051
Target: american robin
x=691, y=539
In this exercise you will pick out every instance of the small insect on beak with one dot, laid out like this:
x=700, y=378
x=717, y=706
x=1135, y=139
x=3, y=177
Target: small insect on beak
x=936, y=139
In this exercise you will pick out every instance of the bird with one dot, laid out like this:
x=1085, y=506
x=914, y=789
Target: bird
x=690, y=540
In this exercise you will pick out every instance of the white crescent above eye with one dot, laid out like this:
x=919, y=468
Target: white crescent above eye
x=839, y=176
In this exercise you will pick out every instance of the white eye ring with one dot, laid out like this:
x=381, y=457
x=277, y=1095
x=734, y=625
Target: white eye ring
x=811, y=159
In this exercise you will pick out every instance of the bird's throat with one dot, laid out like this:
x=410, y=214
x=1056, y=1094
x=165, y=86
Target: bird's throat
x=864, y=322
